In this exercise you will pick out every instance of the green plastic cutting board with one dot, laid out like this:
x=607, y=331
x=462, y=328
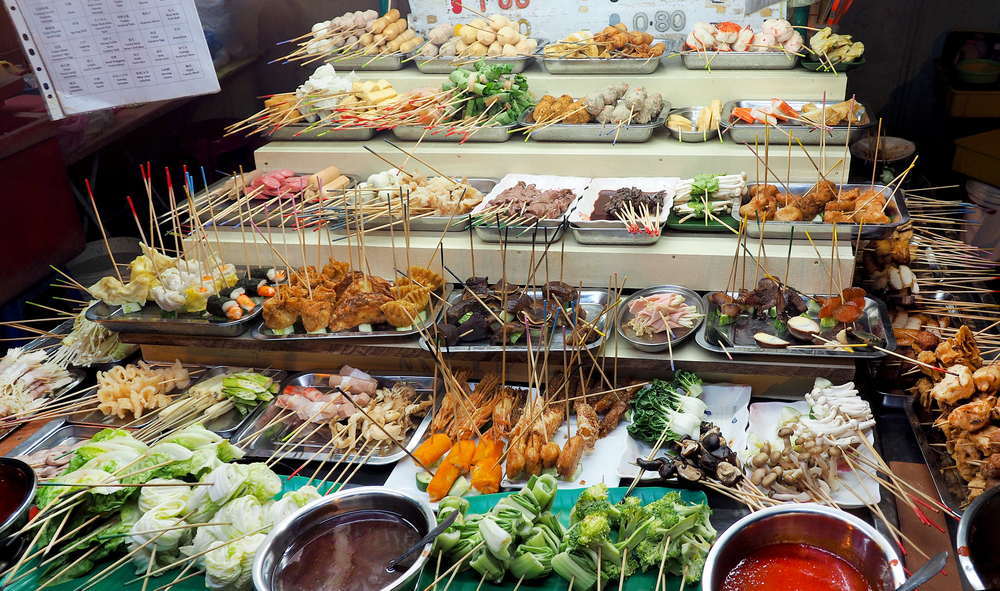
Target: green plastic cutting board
x=126, y=573
x=468, y=580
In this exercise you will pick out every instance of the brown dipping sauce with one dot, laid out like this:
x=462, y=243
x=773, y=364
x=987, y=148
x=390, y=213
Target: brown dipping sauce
x=13, y=490
x=603, y=197
x=349, y=552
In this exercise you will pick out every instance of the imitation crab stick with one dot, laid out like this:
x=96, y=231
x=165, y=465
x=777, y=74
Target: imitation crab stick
x=431, y=450
x=457, y=463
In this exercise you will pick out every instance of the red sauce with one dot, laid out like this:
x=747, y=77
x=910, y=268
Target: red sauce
x=795, y=567
x=13, y=490
x=963, y=550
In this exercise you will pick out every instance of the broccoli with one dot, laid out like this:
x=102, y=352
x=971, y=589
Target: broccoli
x=593, y=500
x=593, y=530
x=688, y=382
x=633, y=522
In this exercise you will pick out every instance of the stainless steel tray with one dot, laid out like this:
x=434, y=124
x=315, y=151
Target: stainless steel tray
x=446, y=65
x=659, y=342
x=325, y=133
x=592, y=300
x=64, y=329
x=739, y=60
x=740, y=131
x=610, y=67
x=523, y=234
x=226, y=425
x=695, y=137
x=268, y=443
x=53, y=433
x=66, y=392
x=950, y=487
x=433, y=223
x=620, y=236
x=368, y=63
x=413, y=133
x=895, y=209
x=633, y=133
x=874, y=320
x=269, y=216
x=263, y=333
x=148, y=321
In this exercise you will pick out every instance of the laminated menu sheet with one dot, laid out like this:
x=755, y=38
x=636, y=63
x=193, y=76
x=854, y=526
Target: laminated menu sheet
x=95, y=54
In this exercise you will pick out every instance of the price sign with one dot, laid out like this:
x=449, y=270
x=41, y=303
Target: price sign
x=555, y=19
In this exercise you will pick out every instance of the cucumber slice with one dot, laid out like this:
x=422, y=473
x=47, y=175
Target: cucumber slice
x=724, y=320
x=423, y=480
x=165, y=314
x=284, y=331
x=460, y=487
x=404, y=328
x=578, y=472
x=465, y=317
x=507, y=316
x=317, y=331
x=365, y=328
x=550, y=472
x=422, y=315
x=130, y=307
x=473, y=493
x=828, y=322
x=813, y=308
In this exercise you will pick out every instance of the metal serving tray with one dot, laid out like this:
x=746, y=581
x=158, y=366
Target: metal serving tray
x=492, y=134
x=64, y=329
x=740, y=131
x=263, y=333
x=609, y=67
x=325, y=133
x=369, y=63
x=96, y=418
x=446, y=65
x=895, y=209
x=433, y=223
x=738, y=337
x=269, y=216
x=950, y=486
x=739, y=60
x=633, y=133
x=523, y=234
x=592, y=301
x=66, y=391
x=148, y=321
x=53, y=433
x=617, y=236
x=659, y=342
x=695, y=137
x=268, y=442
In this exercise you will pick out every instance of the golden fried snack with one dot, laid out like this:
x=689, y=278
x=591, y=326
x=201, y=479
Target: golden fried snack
x=542, y=109
x=423, y=276
x=569, y=457
x=400, y=313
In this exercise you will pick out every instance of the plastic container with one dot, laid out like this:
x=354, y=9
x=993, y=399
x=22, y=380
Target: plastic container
x=984, y=231
x=978, y=71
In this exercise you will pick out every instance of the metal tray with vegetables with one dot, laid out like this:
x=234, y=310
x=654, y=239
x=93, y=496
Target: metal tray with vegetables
x=812, y=333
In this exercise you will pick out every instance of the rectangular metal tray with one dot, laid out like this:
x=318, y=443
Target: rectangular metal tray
x=592, y=300
x=413, y=133
x=148, y=321
x=267, y=443
x=950, y=486
x=53, y=433
x=740, y=131
x=433, y=223
x=523, y=234
x=446, y=65
x=322, y=133
x=633, y=133
x=895, y=209
x=263, y=333
x=271, y=216
x=609, y=67
x=874, y=320
x=619, y=236
x=64, y=329
x=739, y=60
x=368, y=63
x=66, y=391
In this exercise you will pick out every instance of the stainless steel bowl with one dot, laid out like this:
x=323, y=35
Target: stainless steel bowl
x=977, y=540
x=659, y=342
x=11, y=545
x=414, y=511
x=693, y=137
x=822, y=527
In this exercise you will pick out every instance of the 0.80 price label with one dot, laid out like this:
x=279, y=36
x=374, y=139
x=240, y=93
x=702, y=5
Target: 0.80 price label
x=663, y=21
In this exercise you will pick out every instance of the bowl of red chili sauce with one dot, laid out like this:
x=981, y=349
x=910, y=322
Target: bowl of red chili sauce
x=802, y=546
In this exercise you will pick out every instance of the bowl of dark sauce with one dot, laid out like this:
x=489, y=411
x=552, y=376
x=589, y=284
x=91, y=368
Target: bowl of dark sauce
x=344, y=542
x=17, y=493
x=978, y=540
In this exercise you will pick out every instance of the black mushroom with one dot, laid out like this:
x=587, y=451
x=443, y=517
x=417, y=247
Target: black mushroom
x=726, y=454
x=476, y=328
x=446, y=335
x=480, y=286
x=458, y=310
x=667, y=469
x=728, y=474
x=711, y=441
x=708, y=462
x=687, y=472
x=690, y=448
x=649, y=465
x=507, y=332
x=562, y=292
